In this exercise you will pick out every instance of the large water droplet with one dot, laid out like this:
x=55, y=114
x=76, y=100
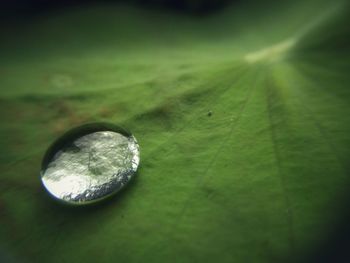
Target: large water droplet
x=90, y=163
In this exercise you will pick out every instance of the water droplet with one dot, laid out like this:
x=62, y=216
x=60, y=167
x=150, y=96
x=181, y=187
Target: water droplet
x=89, y=163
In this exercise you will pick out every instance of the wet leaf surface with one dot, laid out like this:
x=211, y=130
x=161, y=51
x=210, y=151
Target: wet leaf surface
x=263, y=178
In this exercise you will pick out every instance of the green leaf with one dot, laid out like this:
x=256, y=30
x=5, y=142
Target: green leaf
x=243, y=120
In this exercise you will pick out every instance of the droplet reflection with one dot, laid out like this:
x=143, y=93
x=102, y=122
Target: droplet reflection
x=87, y=167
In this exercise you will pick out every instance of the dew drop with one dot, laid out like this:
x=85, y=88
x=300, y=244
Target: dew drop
x=89, y=163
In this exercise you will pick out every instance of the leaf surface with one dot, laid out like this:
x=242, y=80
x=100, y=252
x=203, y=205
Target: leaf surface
x=243, y=120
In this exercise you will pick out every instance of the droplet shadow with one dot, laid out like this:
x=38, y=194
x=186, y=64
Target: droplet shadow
x=74, y=217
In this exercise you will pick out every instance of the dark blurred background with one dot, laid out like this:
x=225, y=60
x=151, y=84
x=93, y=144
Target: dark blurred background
x=196, y=7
